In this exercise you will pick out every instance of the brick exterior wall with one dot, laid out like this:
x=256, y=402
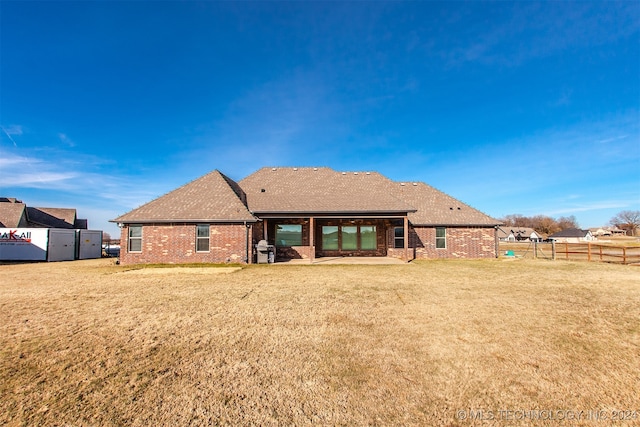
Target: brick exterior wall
x=176, y=244
x=461, y=242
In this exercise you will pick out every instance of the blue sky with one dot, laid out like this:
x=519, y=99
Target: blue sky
x=512, y=107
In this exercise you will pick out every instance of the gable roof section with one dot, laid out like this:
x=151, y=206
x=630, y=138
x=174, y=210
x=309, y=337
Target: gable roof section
x=12, y=214
x=433, y=207
x=210, y=198
x=319, y=190
x=52, y=217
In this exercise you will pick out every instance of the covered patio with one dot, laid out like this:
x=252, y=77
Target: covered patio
x=332, y=237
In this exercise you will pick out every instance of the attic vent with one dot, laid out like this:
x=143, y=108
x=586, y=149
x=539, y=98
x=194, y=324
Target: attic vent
x=450, y=209
x=402, y=183
x=458, y=207
x=368, y=173
x=273, y=169
x=355, y=173
x=415, y=183
x=295, y=169
x=315, y=169
x=344, y=173
x=262, y=190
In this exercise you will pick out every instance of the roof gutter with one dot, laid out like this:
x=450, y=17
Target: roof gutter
x=492, y=225
x=341, y=214
x=183, y=221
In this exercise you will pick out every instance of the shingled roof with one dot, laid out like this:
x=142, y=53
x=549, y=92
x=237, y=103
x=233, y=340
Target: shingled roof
x=210, y=198
x=12, y=214
x=306, y=191
x=52, y=217
x=433, y=207
x=570, y=232
x=324, y=190
x=318, y=190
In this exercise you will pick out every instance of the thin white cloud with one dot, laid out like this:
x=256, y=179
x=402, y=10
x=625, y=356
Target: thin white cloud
x=47, y=180
x=12, y=130
x=31, y=172
x=7, y=161
x=594, y=206
x=66, y=140
x=612, y=139
x=544, y=29
x=98, y=196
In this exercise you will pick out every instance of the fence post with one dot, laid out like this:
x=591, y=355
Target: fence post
x=553, y=250
x=600, y=246
x=566, y=250
x=535, y=249
x=624, y=255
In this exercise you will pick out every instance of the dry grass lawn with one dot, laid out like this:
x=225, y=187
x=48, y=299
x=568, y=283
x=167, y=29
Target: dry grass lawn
x=91, y=343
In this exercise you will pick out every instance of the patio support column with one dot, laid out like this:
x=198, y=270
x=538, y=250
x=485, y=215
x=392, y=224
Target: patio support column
x=264, y=229
x=406, y=238
x=312, y=232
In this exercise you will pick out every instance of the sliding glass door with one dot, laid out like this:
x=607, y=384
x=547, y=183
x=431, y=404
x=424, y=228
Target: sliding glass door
x=349, y=238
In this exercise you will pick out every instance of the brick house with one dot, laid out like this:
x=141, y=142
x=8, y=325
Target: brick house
x=306, y=213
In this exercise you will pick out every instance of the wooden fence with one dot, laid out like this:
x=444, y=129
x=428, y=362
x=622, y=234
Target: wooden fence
x=586, y=251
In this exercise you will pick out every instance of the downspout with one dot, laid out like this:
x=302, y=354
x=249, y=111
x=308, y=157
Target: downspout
x=246, y=243
x=496, y=241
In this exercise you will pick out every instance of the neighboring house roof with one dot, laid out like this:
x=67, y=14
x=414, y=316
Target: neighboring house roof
x=570, y=232
x=12, y=214
x=210, y=198
x=305, y=191
x=52, y=217
x=319, y=190
x=606, y=231
x=521, y=232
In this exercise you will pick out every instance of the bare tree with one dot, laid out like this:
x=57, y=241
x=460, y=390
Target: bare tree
x=565, y=222
x=544, y=224
x=516, y=220
x=629, y=221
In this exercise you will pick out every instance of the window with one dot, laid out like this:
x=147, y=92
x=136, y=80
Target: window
x=398, y=237
x=441, y=238
x=368, y=237
x=349, y=237
x=135, y=238
x=289, y=235
x=202, y=238
x=330, y=237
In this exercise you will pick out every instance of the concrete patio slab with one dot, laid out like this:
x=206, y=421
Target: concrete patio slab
x=344, y=260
